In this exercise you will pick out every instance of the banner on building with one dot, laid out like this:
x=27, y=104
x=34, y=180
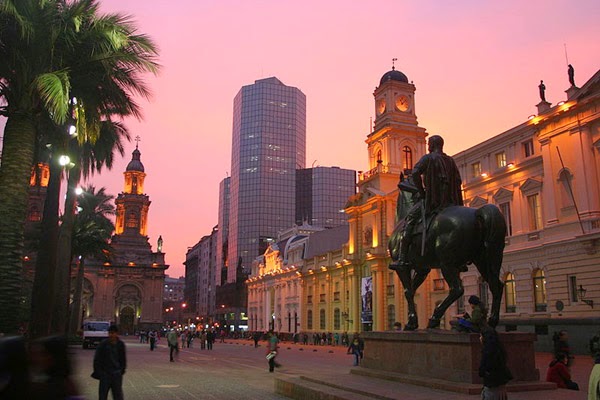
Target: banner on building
x=366, y=294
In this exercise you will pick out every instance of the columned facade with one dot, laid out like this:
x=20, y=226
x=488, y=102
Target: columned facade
x=274, y=287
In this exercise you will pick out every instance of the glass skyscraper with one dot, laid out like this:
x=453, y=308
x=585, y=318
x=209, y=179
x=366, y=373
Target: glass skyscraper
x=322, y=194
x=268, y=145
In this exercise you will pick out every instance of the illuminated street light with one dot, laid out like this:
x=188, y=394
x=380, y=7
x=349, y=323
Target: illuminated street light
x=64, y=160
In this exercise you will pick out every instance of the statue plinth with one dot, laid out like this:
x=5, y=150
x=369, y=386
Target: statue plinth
x=543, y=106
x=571, y=92
x=445, y=356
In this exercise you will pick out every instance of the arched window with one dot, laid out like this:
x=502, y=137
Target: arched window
x=510, y=295
x=539, y=290
x=322, y=319
x=391, y=316
x=309, y=320
x=336, y=319
x=407, y=159
x=379, y=160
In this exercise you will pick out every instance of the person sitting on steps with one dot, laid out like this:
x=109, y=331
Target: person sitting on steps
x=477, y=321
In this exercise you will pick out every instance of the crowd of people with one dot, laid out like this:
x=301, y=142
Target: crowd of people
x=42, y=369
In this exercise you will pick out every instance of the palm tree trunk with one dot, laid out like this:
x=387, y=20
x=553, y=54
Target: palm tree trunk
x=75, y=318
x=43, y=296
x=62, y=282
x=15, y=172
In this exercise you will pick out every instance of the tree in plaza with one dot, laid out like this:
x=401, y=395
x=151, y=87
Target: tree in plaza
x=105, y=75
x=92, y=230
x=32, y=80
x=53, y=51
x=89, y=158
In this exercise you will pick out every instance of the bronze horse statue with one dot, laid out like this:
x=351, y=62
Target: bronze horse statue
x=456, y=236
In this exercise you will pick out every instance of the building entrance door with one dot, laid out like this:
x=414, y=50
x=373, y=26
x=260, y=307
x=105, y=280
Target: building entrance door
x=126, y=320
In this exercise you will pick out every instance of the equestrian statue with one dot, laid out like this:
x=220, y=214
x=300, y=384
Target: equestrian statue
x=434, y=230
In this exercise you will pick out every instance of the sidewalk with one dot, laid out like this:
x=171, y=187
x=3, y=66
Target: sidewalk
x=580, y=371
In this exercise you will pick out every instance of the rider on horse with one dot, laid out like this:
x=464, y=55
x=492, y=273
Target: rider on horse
x=441, y=189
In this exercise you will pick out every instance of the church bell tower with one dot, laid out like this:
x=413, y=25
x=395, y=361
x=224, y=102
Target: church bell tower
x=397, y=141
x=130, y=239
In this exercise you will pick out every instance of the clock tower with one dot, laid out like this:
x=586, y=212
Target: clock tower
x=397, y=141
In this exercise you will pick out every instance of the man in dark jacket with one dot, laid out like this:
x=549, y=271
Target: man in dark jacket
x=110, y=364
x=493, y=369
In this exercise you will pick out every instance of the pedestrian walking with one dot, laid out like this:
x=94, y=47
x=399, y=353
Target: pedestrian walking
x=152, y=335
x=492, y=368
x=110, y=363
x=190, y=339
x=210, y=339
x=51, y=366
x=203, y=339
x=272, y=348
x=14, y=368
x=561, y=346
x=173, y=344
x=356, y=348
x=256, y=337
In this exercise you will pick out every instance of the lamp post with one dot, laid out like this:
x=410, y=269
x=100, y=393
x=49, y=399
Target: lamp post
x=581, y=292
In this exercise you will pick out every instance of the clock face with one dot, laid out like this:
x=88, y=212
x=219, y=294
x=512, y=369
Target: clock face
x=402, y=103
x=380, y=106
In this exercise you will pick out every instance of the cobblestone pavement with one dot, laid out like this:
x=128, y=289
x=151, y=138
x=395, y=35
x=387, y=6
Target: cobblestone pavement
x=237, y=370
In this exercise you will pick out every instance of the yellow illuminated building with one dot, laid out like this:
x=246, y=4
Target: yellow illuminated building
x=544, y=175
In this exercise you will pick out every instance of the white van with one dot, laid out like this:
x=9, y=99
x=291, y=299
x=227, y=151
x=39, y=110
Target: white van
x=94, y=332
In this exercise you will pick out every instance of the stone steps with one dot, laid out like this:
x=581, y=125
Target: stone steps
x=363, y=383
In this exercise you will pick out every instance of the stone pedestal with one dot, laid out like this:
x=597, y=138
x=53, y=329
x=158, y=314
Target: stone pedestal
x=571, y=92
x=445, y=355
x=543, y=106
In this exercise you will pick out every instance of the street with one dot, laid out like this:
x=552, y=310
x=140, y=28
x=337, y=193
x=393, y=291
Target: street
x=232, y=370
x=237, y=370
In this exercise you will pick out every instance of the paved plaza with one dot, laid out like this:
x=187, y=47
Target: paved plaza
x=237, y=370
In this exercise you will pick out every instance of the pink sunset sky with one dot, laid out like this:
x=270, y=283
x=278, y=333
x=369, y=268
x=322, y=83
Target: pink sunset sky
x=476, y=66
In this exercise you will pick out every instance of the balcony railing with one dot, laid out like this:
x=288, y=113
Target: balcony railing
x=380, y=169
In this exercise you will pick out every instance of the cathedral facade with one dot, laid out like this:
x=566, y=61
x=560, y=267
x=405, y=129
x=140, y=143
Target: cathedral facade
x=128, y=289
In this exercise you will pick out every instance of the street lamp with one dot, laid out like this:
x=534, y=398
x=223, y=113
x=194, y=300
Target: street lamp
x=581, y=292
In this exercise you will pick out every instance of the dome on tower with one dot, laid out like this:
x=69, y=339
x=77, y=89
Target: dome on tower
x=393, y=75
x=135, y=164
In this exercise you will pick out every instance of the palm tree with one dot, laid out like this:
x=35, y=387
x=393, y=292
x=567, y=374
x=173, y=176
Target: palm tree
x=46, y=46
x=92, y=229
x=108, y=60
x=31, y=80
x=89, y=159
